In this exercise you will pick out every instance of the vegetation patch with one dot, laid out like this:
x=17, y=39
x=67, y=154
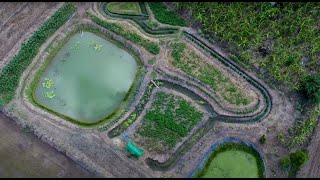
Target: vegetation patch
x=150, y=46
x=303, y=129
x=11, y=73
x=131, y=8
x=190, y=63
x=165, y=16
x=283, y=39
x=294, y=161
x=169, y=119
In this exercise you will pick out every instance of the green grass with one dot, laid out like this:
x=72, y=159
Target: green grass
x=190, y=63
x=274, y=38
x=150, y=46
x=10, y=74
x=130, y=8
x=168, y=120
x=165, y=16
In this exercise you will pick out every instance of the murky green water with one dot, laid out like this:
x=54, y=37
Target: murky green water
x=233, y=164
x=89, y=77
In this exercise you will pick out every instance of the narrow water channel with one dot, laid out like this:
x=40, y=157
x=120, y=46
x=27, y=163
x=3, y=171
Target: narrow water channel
x=24, y=155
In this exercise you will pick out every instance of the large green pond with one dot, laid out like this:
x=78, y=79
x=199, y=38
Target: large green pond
x=88, y=78
x=232, y=164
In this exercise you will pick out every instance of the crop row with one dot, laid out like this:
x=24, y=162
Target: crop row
x=170, y=114
x=11, y=73
x=193, y=65
x=244, y=75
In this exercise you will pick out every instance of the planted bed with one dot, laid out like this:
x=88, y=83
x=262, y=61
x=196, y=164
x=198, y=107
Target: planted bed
x=231, y=158
x=87, y=80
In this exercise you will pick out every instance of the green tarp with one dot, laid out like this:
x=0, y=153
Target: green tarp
x=134, y=150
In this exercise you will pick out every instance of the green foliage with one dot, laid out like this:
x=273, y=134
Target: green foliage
x=302, y=130
x=311, y=87
x=152, y=47
x=285, y=163
x=190, y=63
x=50, y=94
x=153, y=75
x=200, y=102
x=276, y=38
x=165, y=16
x=48, y=83
x=281, y=138
x=10, y=74
x=168, y=120
x=263, y=139
x=295, y=161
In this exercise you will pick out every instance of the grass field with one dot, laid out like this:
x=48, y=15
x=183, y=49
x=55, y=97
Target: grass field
x=131, y=8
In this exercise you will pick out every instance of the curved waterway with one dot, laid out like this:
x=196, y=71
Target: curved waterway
x=88, y=78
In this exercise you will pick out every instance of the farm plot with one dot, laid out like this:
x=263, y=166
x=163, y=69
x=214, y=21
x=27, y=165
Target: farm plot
x=132, y=8
x=18, y=27
x=185, y=59
x=169, y=119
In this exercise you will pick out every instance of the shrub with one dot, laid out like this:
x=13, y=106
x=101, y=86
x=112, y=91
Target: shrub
x=311, y=87
x=285, y=163
x=298, y=158
x=295, y=161
x=263, y=139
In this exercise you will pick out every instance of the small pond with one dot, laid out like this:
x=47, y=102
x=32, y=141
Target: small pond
x=231, y=160
x=87, y=79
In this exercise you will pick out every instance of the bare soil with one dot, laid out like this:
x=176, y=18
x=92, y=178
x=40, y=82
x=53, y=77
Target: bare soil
x=22, y=154
x=21, y=25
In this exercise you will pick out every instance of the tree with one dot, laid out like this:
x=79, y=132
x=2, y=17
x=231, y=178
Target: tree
x=311, y=87
x=298, y=158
